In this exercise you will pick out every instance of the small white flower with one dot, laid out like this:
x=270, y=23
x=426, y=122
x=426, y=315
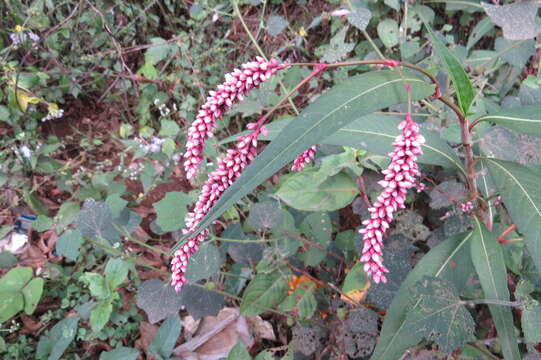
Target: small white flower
x=53, y=113
x=25, y=151
x=17, y=38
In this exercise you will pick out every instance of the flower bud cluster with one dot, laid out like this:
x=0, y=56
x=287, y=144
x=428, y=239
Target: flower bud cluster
x=153, y=146
x=54, y=113
x=237, y=85
x=228, y=170
x=20, y=36
x=466, y=207
x=400, y=176
x=304, y=158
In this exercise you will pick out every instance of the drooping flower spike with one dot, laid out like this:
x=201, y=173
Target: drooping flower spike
x=400, y=175
x=237, y=85
x=229, y=169
x=306, y=157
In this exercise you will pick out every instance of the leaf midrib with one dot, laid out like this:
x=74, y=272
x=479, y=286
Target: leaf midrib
x=502, y=117
x=519, y=185
x=485, y=252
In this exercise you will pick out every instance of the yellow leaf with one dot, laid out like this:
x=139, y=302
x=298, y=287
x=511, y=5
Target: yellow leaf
x=23, y=99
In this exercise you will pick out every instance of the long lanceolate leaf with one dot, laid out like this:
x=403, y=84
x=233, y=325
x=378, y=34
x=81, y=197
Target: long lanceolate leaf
x=525, y=119
x=359, y=95
x=450, y=261
x=376, y=133
x=519, y=188
x=463, y=86
x=487, y=257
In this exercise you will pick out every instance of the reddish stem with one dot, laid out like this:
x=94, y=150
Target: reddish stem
x=506, y=232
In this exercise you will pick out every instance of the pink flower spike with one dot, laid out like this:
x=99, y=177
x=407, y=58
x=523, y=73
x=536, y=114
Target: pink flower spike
x=306, y=157
x=340, y=12
x=400, y=175
x=227, y=172
x=238, y=84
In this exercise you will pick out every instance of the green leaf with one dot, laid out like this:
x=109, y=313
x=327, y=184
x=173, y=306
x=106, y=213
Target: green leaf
x=479, y=30
x=263, y=292
x=205, y=263
x=42, y=223
x=276, y=24
x=518, y=20
x=302, y=300
x=265, y=215
x=169, y=128
x=32, y=294
x=530, y=319
x=170, y=210
x=239, y=352
x=52, y=345
x=440, y=316
x=309, y=191
x=116, y=272
x=337, y=48
x=525, y=119
x=100, y=315
x=155, y=54
x=388, y=32
x=463, y=86
x=487, y=257
x=515, y=53
x=519, y=188
x=158, y=299
x=360, y=18
x=355, y=97
x=11, y=303
x=97, y=285
x=166, y=337
x=95, y=220
x=375, y=133
x=15, y=279
x=440, y=262
x=35, y=203
x=355, y=280
x=7, y=259
x=69, y=243
x=318, y=229
x=120, y=353
x=116, y=203
x=67, y=213
x=200, y=301
x=333, y=164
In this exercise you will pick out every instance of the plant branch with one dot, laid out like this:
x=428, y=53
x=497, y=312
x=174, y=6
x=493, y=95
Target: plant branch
x=287, y=96
x=259, y=50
